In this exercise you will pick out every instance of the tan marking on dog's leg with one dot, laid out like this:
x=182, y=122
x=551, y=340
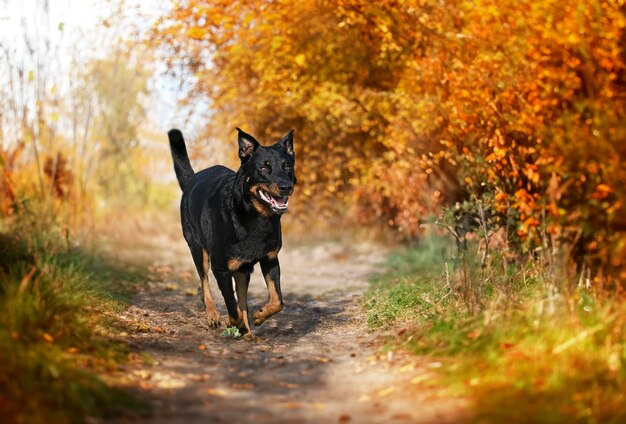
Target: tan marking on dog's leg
x=212, y=315
x=273, y=305
x=241, y=285
x=237, y=322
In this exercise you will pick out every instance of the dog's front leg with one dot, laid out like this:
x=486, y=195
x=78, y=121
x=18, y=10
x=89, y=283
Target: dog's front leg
x=242, y=280
x=271, y=273
x=225, y=283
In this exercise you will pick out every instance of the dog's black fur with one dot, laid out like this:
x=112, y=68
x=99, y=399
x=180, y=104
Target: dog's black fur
x=231, y=221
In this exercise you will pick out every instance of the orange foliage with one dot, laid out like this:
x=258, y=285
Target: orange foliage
x=400, y=106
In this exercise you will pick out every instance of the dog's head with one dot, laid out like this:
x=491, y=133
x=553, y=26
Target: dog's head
x=268, y=172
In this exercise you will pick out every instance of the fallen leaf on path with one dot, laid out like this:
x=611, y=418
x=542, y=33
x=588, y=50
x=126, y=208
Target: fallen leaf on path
x=300, y=405
x=190, y=292
x=365, y=398
x=200, y=378
x=185, y=275
x=48, y=338
x=291, y=405
x=344, y=418
x=171, y=287
x=323, y=359
x=216, y=391
x=142, y=374
x=385, y=392
x=288, y=385
x=201, y=347
x=242, y=386
x=166, y=381
x=164, y=270
x=158, y=329
x=407, y=367
x=420, y=378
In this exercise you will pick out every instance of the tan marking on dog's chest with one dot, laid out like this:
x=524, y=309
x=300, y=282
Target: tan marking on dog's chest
x=273, y=254
x=261, y=208
x=235, y=263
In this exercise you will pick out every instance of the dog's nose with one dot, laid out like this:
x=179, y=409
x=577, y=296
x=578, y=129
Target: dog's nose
x=286, y=189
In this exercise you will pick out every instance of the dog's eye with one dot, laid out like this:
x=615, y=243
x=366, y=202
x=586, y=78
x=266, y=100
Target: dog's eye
x=264, y=168
x=286, y=167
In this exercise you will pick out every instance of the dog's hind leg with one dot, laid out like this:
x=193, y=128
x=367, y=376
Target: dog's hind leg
x=271, y=273
x=225, y=283
x=203, y=265
x=242, y=281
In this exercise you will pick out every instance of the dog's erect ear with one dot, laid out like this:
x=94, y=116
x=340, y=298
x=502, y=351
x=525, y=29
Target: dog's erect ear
x=247, y=145
x=287, y=143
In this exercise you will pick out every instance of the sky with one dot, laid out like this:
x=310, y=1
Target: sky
x=75, y=31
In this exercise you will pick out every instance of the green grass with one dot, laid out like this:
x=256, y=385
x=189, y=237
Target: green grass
x=533, y=348
x=58, y=306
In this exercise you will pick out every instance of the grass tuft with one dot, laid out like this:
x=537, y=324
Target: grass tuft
x=57, y=308
x=524, y=342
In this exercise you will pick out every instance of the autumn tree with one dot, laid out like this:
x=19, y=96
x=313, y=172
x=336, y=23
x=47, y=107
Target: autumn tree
x=402, y=107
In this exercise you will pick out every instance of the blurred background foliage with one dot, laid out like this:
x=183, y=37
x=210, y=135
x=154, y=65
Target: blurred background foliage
x=404, y=107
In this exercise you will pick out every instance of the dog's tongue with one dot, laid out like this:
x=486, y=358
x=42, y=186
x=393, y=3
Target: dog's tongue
x=277, y=202
x=281, y=201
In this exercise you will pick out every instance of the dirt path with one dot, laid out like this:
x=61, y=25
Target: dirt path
x=313, y=362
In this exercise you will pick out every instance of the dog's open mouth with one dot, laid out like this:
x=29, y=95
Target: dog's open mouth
x=277, y=204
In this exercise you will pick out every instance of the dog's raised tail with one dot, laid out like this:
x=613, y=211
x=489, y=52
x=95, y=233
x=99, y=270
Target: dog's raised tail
x=182, y=166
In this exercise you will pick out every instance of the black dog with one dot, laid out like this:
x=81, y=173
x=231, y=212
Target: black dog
x=231, y=221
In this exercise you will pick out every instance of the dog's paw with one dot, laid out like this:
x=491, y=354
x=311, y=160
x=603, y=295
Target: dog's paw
x=213, y=319
x=259, y=317
x=265, y=312
x=244, y=331
x=236, y=322
x=214, y=324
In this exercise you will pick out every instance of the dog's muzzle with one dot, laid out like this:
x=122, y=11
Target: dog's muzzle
x=278, y=204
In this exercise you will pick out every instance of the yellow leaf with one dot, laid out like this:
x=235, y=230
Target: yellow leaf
x=385, y=392
x=217, y=391
x=420, y=378
x=48, y=338
x=300, y=60
x=407, y=367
